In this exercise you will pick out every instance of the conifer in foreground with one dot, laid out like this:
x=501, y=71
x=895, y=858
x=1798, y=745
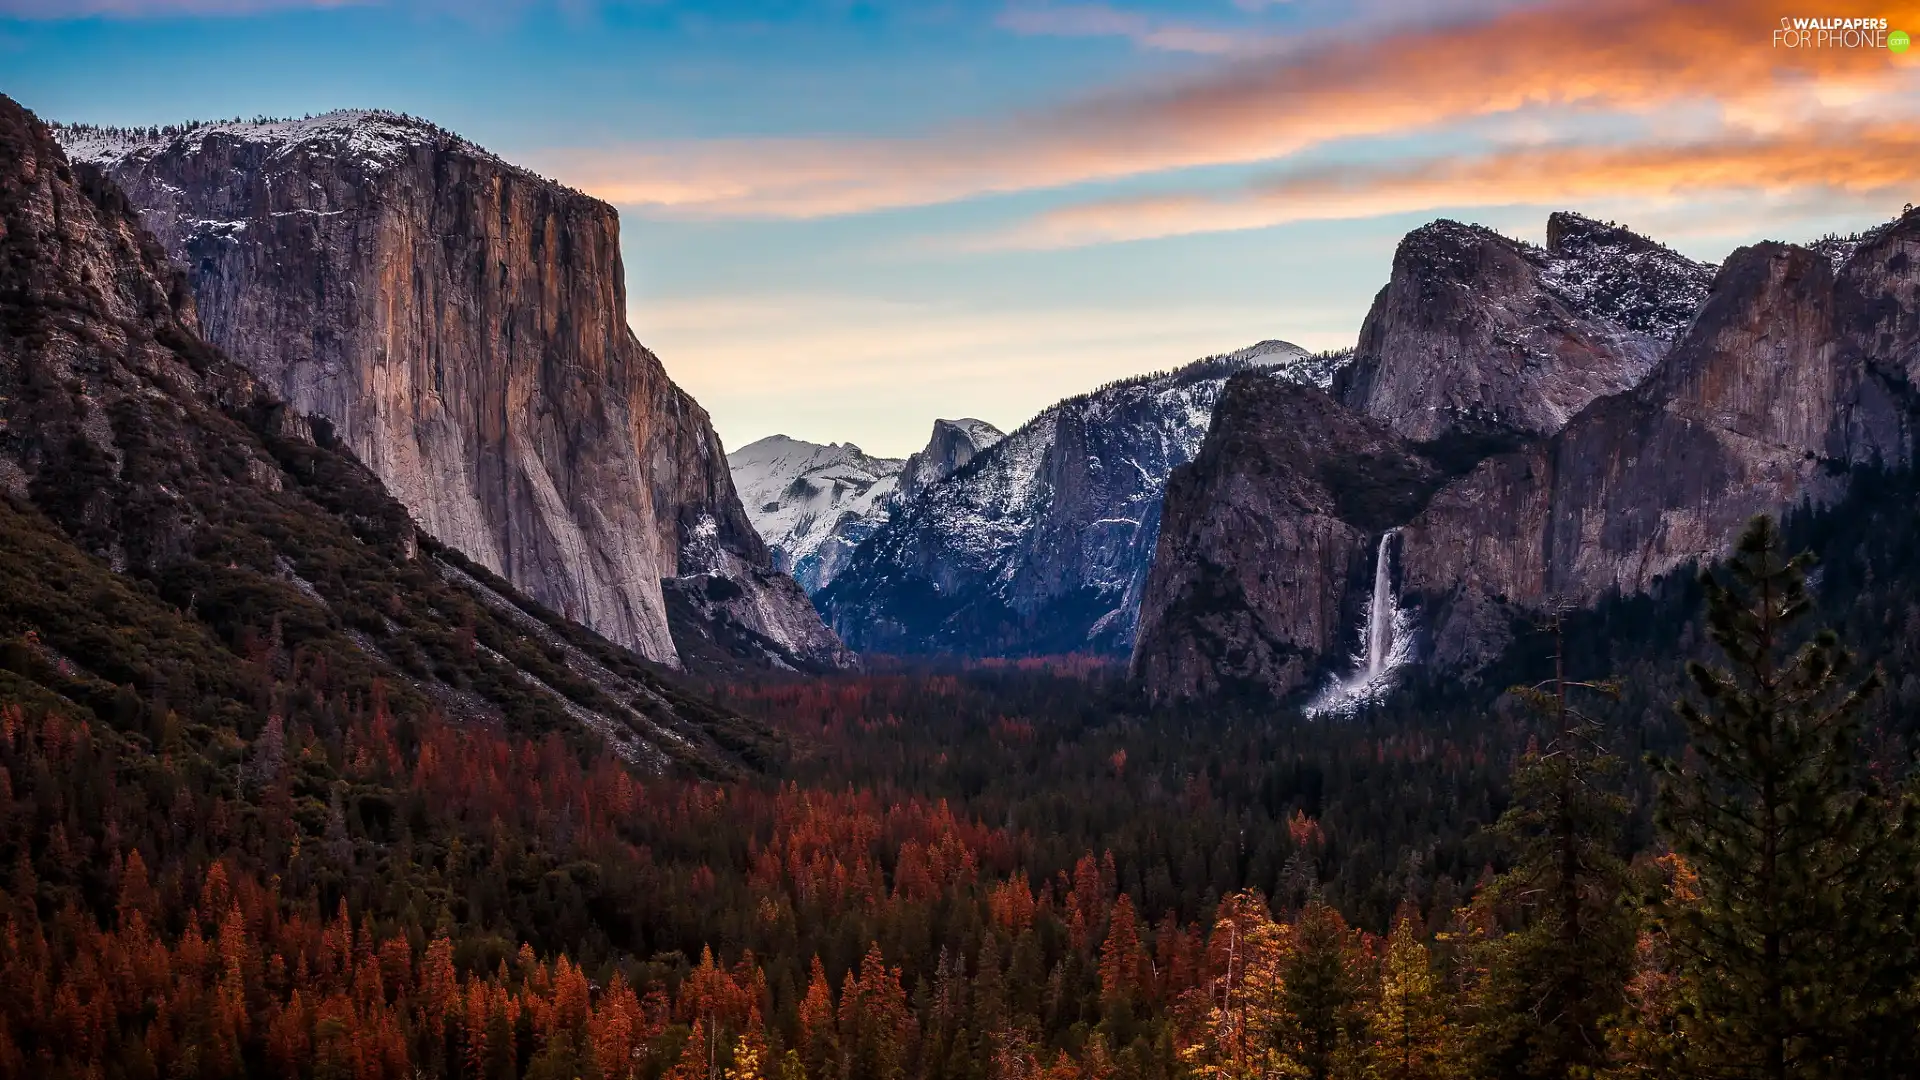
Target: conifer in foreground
x=1798, y=958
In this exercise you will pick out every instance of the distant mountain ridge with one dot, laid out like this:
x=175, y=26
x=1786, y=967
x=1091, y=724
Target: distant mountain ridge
x=815, y=503
x=462, y=323
x=1040, y=544
x=812, y=503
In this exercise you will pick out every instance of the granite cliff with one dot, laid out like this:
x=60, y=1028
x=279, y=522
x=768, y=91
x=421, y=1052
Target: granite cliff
x=1478, y=338
x=1265, y=536
x=1590, y=423
x=170, y=524
x=1790, y=375
x=461, y=322
x=951, y=447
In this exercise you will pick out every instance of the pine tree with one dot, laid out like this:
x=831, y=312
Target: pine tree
x=1798, y=959
x=1559, y=974
x=1412, y=1036
x=1325, y=1023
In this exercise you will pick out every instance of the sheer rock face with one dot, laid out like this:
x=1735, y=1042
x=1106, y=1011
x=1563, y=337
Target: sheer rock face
x=124, y=436
x=953, y=444
x=1798, y=365
x=1265, y=535
x=462, y=323
x=1479, y=335
x=1786, y=378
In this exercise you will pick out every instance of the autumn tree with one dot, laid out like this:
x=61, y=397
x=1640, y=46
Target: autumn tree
x=1412, y=1035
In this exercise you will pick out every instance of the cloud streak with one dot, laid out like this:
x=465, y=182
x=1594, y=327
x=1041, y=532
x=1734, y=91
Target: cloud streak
x=159, y=9
x=1100, y=20
x=1638, y=57
x=1846, y=164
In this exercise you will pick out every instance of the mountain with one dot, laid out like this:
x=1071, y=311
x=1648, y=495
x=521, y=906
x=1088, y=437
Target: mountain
x=952, y=446
x=1265, y=537
x=1790, y=374
x=175, y=532
x=1040, y=544
x=462, y=325
x=812, y=504
x=1479, y=338
x=1787, y=375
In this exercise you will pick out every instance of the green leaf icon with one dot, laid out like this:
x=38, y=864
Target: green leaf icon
x=1898, y=41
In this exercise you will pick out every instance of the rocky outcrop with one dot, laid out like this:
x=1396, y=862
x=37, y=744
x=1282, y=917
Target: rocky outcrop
x=167, y=522
x=953, y=444
x=1478, y=338
x=462, y=324
x=1266, y=538
x=1041, y=544
x=1789, y=374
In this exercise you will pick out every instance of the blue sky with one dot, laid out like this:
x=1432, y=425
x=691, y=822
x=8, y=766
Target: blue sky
x=844, y=219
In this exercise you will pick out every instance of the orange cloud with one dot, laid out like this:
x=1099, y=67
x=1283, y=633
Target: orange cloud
x=1856, y=163
x=1641, y=57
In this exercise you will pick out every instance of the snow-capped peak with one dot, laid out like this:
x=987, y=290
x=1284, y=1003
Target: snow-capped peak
x=812, y=502
x=1042, y=541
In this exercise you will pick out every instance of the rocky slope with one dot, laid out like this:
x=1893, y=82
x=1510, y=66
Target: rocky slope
x=167, y=522
x=1789, y=373
x=1041, y=543
x=1479, y=339
x=814, y=504
x=462, y=324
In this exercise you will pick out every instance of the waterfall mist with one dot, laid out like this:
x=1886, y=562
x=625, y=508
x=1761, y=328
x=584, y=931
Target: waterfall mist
x=1386, y=644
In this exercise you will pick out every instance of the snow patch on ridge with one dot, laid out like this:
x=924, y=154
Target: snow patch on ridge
x=812, y=503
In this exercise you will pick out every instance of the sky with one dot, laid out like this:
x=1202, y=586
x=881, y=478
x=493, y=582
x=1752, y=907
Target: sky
x=844, y=218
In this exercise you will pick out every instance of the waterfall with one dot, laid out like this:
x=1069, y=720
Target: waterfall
x=1385, y=644
x=1380, y=611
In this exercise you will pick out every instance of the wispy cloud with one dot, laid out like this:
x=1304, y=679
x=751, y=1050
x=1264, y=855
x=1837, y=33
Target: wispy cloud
x=1100, y=20
x=150, y=9
x=1642, y=57
x=1878, y=163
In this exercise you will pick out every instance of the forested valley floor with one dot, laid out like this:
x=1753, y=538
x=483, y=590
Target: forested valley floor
x=996, y=870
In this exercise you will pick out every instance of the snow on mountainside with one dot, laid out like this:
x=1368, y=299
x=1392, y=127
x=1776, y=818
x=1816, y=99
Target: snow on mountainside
x=373, y=136
x=1604, y=270
x=815, y=504
x=1041, y=544
x=952, y=445
x=812, y=504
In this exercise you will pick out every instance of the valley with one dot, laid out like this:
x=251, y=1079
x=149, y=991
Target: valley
x=399, y=678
